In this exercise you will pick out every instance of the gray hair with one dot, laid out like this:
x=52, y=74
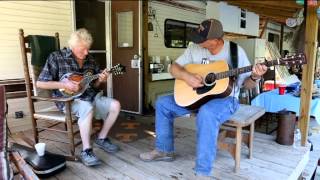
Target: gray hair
x=80, y=35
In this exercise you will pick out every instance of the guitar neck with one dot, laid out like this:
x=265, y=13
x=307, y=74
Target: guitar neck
x=235, y=72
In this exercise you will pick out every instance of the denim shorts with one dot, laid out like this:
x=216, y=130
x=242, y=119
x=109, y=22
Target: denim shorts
x=100, y=106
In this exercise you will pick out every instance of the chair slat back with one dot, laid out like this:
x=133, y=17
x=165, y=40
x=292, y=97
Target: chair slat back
x=32, y=44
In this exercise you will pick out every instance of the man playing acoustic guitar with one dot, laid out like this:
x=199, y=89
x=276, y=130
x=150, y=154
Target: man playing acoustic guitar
x=209, y=47
x=91, y=103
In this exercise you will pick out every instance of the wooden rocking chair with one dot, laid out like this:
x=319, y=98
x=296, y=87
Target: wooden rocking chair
x=51, y=117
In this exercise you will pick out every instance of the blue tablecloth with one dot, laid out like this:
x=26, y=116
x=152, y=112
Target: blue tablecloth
x=273, y=102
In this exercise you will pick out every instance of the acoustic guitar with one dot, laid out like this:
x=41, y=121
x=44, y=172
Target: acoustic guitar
x=85, y=80
x=217, y=81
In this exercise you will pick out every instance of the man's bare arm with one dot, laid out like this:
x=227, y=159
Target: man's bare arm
x=50, y=85
x=257, y=71
x=68, y=85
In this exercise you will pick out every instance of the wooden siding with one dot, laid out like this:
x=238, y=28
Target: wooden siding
x=163, y=11
x=35, y=17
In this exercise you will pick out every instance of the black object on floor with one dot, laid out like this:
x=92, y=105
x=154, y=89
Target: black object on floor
x=44, y=166
x=18, y=114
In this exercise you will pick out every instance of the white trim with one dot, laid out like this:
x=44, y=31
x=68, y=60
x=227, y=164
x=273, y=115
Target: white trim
x=140, y=11
x=108, y=45
x=73, y=14
x=97, y=51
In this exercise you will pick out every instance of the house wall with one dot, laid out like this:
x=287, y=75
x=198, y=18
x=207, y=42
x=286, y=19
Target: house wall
x=34, y=17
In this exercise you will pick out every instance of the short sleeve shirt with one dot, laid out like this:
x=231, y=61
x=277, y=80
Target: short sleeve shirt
x=195, y=54
x=62, y=62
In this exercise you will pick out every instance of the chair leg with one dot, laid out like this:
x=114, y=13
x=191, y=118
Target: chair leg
x=238, y=148
x=22, y=166
x=251, y=140
x=70, y=129
x=35, y=130
x=71, y=138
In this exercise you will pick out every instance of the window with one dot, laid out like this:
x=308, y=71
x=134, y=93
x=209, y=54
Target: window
x=275, y=38
x=243, y=19
x=125, y=29
x=177, y=33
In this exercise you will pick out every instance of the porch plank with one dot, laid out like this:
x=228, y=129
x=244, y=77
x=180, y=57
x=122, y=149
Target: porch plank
x=184, y=163
x=126, y=160
x=314, y=157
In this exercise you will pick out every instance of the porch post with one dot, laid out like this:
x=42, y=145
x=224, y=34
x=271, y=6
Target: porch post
x=311, y=44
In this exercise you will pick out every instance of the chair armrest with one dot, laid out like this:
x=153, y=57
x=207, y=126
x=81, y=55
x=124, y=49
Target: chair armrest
x=51, y=99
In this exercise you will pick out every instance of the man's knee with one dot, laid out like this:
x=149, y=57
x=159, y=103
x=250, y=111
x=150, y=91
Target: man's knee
x=115, y=106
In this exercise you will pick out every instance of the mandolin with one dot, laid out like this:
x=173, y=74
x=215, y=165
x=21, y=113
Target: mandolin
x=217, y=81
x=85, y=80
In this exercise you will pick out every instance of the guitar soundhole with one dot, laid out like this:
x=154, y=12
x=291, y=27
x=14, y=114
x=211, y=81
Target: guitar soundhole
x=210, y=79
x=209, y=83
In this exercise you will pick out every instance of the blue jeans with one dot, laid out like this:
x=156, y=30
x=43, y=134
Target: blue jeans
x=209, y=118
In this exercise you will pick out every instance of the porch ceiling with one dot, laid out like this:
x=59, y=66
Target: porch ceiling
x=277, y=11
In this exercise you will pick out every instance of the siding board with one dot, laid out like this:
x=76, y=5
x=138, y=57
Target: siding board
x=35, y=17
x=34, y=6
x=28, y=13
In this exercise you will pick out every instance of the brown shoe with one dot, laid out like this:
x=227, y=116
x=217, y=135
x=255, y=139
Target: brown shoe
x=156, y=155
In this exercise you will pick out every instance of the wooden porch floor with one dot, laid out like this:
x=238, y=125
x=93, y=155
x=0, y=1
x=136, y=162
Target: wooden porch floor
x=270, y=160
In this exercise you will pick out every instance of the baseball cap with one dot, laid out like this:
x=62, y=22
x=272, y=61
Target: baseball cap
x=208, y=29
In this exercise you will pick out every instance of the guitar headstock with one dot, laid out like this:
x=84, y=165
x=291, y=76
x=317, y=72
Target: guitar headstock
x=296, y=59
x=118, y=69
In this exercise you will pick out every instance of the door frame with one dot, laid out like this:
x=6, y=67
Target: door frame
x=140, y=53
x=108, y=34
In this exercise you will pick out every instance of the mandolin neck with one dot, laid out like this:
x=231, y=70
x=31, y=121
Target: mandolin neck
x=94, y=77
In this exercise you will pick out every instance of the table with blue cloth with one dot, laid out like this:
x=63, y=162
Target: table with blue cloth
x=273, y=102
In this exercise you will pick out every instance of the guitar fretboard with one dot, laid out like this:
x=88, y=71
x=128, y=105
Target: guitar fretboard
x=288, y=61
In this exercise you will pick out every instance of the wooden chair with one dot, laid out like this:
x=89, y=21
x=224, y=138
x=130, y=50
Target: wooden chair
x=8, y=155
x=51, y=117
x=245, y=116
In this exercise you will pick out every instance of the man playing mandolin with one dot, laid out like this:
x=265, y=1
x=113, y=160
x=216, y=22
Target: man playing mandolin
x=76, y=59
x=208, y=48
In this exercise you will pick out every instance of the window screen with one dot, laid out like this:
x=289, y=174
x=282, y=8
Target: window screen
x=177, y=33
